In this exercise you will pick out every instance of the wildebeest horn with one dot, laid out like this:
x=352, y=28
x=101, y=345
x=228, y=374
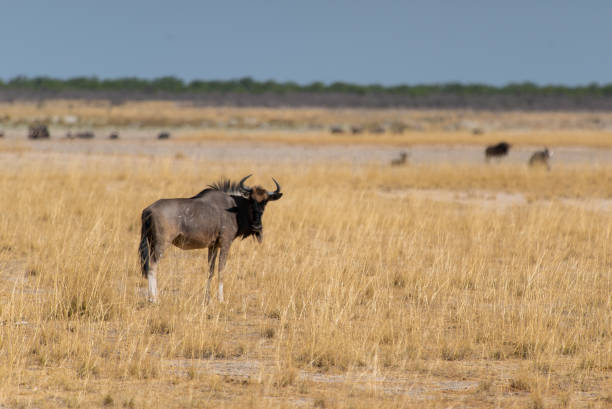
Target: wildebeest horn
x=277, y=193
x=244, y=189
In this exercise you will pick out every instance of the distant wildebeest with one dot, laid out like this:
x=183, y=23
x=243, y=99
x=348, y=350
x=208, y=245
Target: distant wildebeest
x=80, y=135
x=163, y=135
x=1, y=134
x=114, y=135
x=38, y=131
x=499, y=150
x=398, y=127
x=336, y=129
x=211, y=219
x=401, y=160
x=540, y=158
x=85, y=135
x=377, y=129
x=477, y=131
x=356, y=129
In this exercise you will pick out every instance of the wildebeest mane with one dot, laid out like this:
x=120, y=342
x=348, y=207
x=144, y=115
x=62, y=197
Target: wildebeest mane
x=222, y=185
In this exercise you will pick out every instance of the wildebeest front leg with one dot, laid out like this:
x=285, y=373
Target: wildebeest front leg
x=212, y=256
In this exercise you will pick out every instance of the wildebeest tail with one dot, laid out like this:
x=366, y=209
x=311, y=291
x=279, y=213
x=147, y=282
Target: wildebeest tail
x=146, y=242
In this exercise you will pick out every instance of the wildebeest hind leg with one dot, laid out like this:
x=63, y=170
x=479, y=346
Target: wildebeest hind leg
x=156, y=255
x=212, y=256
x=152, y=279
x=222, y=259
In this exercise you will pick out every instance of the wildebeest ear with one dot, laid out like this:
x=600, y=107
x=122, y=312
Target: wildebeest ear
x=274, y=196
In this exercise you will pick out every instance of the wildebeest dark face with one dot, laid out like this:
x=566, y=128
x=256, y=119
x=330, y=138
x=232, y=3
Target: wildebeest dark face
x=258, y=198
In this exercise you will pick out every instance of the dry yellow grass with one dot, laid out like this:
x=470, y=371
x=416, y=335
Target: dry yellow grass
x=357, y=298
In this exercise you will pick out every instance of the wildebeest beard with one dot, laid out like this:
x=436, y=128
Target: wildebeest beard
x=246, y=226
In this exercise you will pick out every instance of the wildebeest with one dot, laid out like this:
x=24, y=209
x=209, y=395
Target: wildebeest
x=1, y=134
x=80, y=135
x=211, y=219
x=163, y=135
x=499, y=150
x=377, y=129
x=540, y=158
x=336, y=129
x=85, y=135
x=38, y=131
x=401, y=160
x=356, y=129
x=398, y=127
x=114, y=135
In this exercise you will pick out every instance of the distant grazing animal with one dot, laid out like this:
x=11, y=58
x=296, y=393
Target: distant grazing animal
x=80, y=135
x=85, y=135
x=38, y=131
x=540, y=158
x=356, y=129
x=114, y=135
x=211, y=219
x=398, y=127
x=401, y=160
x=336, y=129
x=377, y=129
x=1, y=134
x=499, y=150
x=163, y=135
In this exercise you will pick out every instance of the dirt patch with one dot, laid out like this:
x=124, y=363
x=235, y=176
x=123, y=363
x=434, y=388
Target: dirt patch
x=416, y=386
x=494, y=200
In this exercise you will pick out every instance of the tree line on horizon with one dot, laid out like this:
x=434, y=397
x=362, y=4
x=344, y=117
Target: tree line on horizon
x=173, y=85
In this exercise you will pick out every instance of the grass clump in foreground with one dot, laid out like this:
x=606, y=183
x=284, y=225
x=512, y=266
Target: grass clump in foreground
x=356, y=295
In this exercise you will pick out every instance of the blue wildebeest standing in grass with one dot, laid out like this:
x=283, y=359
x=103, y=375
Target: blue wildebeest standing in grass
x=497, y=151
x=211, y=219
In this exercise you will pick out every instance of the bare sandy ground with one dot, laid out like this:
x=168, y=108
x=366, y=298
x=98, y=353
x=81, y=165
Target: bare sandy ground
x=416, y=386
x=144, y=143
x=495, y=200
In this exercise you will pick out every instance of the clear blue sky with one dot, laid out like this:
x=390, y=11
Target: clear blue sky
x=385, y=42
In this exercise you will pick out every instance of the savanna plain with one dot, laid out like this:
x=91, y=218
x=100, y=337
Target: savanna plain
x=428, y=285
